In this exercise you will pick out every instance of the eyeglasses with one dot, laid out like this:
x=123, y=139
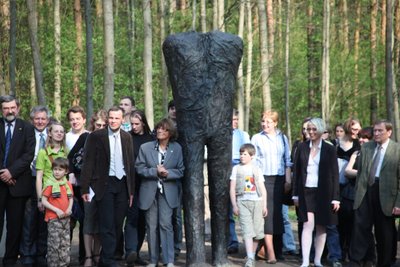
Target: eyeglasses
x=311, y=129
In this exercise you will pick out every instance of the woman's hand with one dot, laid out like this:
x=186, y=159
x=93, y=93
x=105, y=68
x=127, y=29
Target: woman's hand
x=162, y=171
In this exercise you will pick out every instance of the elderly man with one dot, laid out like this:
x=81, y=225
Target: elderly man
x=17, y=140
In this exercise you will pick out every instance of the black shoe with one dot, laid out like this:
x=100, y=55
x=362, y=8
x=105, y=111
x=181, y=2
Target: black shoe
x=140, y=261
x=130, y=260
x=233, y=250
x=291, y=253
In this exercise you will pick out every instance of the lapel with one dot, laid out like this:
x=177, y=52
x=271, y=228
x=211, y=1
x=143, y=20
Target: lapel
x=154, y=154
x=388, y=153
x=106, y=144
x=124, y=147
x=2, y=134
x=17, y=134
x=169, y=153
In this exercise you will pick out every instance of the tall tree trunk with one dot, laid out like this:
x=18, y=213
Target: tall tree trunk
x=57, y=62
x=78, y=52
x=32, y=23
x=32, y=89
x=287, y=74
x=194, y=15
x=384, y=4
x=392, y=99
x=172, y=10
x=264, y=55
x=221, y=15
x=271, y=31
x=279, y=30
x=164, y=71
x=4, y=28
x=325, y=64
x=397, y=39
x=147, y=62
x=373, y=62
x=89, y=59
x=108, y=85
x=99, y=9
x=13, y=33
x=203, y=15
x=131, y=42
x=312, y=60
x=215, y=14
x=240, y=94
x=249, y=65
x=345, y=27
x=356, y=57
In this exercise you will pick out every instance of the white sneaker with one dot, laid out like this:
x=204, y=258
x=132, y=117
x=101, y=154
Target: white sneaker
x=151, y=265
x=249, y=263
x=170, y=265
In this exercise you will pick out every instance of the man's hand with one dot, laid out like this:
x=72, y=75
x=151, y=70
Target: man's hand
x=86, y=197
x=6, y=177
x=396, y=211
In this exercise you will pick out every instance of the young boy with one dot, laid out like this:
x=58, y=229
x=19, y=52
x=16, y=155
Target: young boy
x=57, y=199
x=249, y=200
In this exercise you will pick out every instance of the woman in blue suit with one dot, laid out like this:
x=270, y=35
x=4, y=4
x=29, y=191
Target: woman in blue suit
x=160, y=164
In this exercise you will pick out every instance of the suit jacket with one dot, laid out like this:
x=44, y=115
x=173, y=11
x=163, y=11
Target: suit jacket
x=96, y=162
x=21, y=153
x=146, y=166
x=389, y=191
x=328, y=182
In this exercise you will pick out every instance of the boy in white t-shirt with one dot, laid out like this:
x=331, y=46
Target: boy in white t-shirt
x=249, y=200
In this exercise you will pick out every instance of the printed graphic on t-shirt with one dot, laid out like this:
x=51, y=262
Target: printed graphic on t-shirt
x=249, y=185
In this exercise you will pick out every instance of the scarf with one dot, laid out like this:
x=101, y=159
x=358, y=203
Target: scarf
x=56, y=184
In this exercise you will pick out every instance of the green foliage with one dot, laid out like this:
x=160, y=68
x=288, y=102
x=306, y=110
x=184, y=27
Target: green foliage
x=344, y=102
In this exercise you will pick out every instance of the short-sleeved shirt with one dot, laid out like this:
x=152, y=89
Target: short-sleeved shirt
x=61, y=202
x=43, y=162
x=250, y=186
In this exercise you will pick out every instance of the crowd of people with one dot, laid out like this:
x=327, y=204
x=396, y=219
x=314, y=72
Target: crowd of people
x=120, y=182
x=345, y=190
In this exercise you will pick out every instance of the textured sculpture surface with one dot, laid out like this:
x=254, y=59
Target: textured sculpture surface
x=202, y=69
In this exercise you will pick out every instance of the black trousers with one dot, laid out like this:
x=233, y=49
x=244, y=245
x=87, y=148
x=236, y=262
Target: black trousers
x=367, y=215
x=112, y=208
x=13, y=208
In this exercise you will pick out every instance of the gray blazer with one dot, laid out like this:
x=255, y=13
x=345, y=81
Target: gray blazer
x=146, y=166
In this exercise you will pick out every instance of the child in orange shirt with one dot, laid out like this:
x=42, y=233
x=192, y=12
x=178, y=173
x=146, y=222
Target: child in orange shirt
x=57, y=198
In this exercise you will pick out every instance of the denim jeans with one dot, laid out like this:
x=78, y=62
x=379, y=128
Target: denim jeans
x=333, y=243
x=287, y=238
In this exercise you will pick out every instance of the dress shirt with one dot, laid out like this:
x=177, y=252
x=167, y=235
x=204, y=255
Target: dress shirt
x=383, y=151
x=313, y=167
x=112, y=139
x=239, y=138
x=272, y=153
x=6, y=127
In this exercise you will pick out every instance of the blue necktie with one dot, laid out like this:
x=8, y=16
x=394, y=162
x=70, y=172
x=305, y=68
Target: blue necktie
x=42, y=142
x=8, y=142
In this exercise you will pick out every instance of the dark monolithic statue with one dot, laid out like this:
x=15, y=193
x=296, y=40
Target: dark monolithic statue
x=202, y=69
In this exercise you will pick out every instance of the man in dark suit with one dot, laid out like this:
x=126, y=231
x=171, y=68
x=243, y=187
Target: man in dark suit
x=17, y=148
x=108, y=168
x=377, y=197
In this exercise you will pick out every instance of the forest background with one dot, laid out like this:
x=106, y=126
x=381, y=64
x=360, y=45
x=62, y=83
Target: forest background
x=327, y=58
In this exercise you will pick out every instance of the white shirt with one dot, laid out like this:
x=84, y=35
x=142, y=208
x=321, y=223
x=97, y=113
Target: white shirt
x=313, y=167
x=113, y=137
x=6, y=127
x=383, y=151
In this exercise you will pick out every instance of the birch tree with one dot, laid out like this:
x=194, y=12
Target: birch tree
x=325, y=64
x=57, y=59
x=108, y=84
x=264, y=55
x=203, y=15
x=147, y=63
x=37, y=66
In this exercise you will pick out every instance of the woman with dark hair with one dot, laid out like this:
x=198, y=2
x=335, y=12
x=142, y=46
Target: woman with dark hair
x=135, y=225
x=316, y=189
x=160, y=164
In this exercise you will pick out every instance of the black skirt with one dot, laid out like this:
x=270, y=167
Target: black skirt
x=273, y=223
x=310, y=195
